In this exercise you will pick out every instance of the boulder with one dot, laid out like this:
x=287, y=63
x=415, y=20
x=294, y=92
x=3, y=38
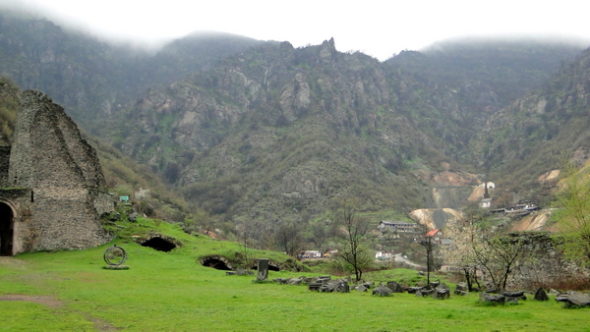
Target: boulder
x=361, y=288
x=295, y=281
x=518, y=295
x=574, y=299
x=541, y=295
x=511, y=300
x=425, y=291
x=340, y=286
x=308, y=280
x=314, y=286
x=343, y=287
x=442, y=292
x=490, y=298
x=382, y=291
x=395, y=287
x=132, y=217
x=461, y=289
x=413, y=290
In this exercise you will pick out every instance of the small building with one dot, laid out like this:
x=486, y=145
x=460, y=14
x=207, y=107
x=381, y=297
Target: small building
x=399, y=227
x=310, y=254
x=485, y=203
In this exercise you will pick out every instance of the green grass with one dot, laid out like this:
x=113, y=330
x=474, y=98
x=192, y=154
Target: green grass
x=172, y=292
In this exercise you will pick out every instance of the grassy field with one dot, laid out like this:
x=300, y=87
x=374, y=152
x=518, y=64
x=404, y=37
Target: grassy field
x=70, y=291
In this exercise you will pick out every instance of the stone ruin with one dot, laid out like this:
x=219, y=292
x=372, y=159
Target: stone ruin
x=51, y=183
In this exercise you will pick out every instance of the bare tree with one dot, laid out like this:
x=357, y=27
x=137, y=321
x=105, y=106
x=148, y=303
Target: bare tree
x=288, y=237
x=497, y=255
x=243, y=257
x=355, y=229
x=426, y=242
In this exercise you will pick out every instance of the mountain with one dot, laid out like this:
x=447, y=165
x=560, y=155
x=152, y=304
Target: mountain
x=262, y=131
x=275, y=132
x=93, y=78
x=458, y=85
x=543, y=131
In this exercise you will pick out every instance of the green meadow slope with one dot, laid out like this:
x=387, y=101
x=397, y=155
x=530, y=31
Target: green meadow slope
x=69, y=291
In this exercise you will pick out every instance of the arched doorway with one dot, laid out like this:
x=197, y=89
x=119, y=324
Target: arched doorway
x=6, y=229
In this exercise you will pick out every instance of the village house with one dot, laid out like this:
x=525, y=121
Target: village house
x=399, y=227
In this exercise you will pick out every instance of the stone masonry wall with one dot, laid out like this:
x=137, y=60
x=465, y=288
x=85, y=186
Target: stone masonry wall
x=50, y=157
x=4, y=163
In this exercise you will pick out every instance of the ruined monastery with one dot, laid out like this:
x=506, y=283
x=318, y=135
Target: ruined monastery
x=51, y=183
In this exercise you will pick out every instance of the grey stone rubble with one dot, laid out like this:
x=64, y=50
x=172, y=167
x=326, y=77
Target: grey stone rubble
x=574, y=299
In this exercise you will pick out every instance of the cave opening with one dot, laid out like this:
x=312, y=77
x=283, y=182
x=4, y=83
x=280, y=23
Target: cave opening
x=159, y=244
x=216, y=263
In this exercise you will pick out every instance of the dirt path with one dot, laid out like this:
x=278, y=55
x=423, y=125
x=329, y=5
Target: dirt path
x=11, y=262
x=400, y=259
x=49, y=301
x=52, y=302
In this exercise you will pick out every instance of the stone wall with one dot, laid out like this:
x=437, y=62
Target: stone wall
x=50, y=157
x=4, y=164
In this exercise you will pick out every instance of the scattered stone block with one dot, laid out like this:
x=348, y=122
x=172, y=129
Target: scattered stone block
x=442, y=292
x=340, y=286
x=541, y=295
x=361, y=288
x=413, y=290
x=461, y=289
x=574, y=299
x=382, y=291
x=395, y=287
x=116, y=267
x=132, y=217
x=425, y=291
x=490, y=298
x=262, y=269
x=295, y=281
x=513, y=297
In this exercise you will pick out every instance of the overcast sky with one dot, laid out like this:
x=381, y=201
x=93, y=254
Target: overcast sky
x=378, y=28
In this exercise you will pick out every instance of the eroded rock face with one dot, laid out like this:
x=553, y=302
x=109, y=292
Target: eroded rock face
x=62, y=177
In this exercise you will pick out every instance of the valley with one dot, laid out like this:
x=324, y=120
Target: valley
x=467, y=160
